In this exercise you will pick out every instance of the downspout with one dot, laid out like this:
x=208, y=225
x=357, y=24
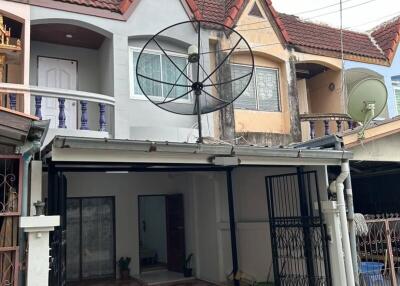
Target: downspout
x=27, y=154
x=352, y=233
x=337, y=187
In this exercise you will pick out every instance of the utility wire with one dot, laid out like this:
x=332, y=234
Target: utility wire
x=375, y=20
x=299, y=13
x=321, y=8
x=340, y=11
x=342, y=56
x=309, y=18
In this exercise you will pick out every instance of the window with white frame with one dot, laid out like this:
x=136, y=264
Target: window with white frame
x=157, y=66
x=263, y=91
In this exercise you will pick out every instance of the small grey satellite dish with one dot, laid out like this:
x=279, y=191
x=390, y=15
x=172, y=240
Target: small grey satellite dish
x=367, y=100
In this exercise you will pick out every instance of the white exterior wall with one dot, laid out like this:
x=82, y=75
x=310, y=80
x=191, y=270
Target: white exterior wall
x=134, y=118
x=88, y=77
x=206, y=215
x=126, y=188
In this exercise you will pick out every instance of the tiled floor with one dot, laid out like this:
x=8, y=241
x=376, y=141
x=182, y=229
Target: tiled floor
x=106, y=283
x=161, y=276
x=193, y=282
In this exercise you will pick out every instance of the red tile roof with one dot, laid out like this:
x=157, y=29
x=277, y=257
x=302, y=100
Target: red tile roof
x=220, y=11
x=311, y=35
x=117, y=6
x=387, y=36
x=294, y=31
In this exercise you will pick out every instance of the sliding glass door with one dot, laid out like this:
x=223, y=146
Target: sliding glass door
x=90, y=238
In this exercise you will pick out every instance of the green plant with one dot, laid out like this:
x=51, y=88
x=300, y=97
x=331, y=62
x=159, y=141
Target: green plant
x=124, y=262
x=188, y=261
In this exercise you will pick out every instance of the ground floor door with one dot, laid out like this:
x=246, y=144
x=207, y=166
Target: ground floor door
x=90, y=238
x=175, y=232
x=161, y=232
x=58, y=73
x=298, y=235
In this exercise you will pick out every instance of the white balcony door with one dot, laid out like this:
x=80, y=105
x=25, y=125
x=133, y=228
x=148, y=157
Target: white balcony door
x=58, y=73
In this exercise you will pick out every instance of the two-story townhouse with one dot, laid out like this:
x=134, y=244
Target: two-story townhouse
x=298, y=72
x=81, y=59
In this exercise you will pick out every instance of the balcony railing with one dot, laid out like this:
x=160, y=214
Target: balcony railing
x=12, y=101
x=339, y=121
x=10, y=92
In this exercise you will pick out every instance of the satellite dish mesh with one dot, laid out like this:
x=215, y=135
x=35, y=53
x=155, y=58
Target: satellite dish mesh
x=191, y=77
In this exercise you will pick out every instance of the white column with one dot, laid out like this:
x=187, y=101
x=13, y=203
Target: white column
x=38, y=228
x=36, y=185
x=331, y=216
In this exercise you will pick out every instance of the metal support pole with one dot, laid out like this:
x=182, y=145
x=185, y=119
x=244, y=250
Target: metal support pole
x=352, y=233
x=232, y=227
x=200, y=139
x=308, y=251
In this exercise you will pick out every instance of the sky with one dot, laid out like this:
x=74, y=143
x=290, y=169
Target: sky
x=358, y=15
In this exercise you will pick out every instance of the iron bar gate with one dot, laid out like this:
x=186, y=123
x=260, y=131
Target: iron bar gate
x=11, y=172
x=298, y=235
x=379, y=252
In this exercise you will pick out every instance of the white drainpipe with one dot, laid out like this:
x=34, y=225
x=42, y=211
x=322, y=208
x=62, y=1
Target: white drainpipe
x=337, y=186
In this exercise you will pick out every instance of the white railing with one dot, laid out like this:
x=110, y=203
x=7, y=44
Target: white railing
x=11, y=91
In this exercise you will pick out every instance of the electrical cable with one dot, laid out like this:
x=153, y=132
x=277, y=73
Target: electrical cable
x=321, y=8
x=340, y=11
x=375, y=20
x=309, y=18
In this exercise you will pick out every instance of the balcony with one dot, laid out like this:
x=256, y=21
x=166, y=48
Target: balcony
x=321, y=124
x=93, y=111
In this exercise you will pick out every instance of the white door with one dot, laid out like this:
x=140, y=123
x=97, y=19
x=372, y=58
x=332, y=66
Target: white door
x=58, y=73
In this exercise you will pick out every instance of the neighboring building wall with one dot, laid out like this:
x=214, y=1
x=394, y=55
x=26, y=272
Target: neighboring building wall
x=282, y=127
x=383, y=149
x=387, y=74
x=323, y=100
x=256, y=126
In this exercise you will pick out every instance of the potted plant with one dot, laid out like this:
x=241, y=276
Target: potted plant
x=187, y=268
x=124, y=269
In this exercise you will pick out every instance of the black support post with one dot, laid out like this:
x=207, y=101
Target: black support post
x=232, y=227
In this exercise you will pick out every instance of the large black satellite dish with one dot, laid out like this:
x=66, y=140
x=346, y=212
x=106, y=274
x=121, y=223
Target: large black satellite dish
x=197, y=79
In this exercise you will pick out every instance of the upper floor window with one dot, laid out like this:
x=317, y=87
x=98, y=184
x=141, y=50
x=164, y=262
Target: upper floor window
x=157, y=66
x=262, y=92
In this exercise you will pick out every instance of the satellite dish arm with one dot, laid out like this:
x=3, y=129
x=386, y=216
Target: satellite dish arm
x=369, y=116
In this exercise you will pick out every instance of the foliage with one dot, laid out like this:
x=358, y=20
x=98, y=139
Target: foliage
x=124, y=262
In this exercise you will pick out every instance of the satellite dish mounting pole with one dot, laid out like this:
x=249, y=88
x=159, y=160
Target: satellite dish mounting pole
x=197, y=88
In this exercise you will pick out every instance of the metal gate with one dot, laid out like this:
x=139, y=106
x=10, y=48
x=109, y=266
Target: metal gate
x=57, y=200
x=298, y=236
x=11, y=173
x=379, y=252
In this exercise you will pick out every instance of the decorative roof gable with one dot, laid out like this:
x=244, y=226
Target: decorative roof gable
x=387, y=36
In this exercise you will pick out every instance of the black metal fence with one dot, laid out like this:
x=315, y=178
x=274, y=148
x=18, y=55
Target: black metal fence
x=298, y=236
